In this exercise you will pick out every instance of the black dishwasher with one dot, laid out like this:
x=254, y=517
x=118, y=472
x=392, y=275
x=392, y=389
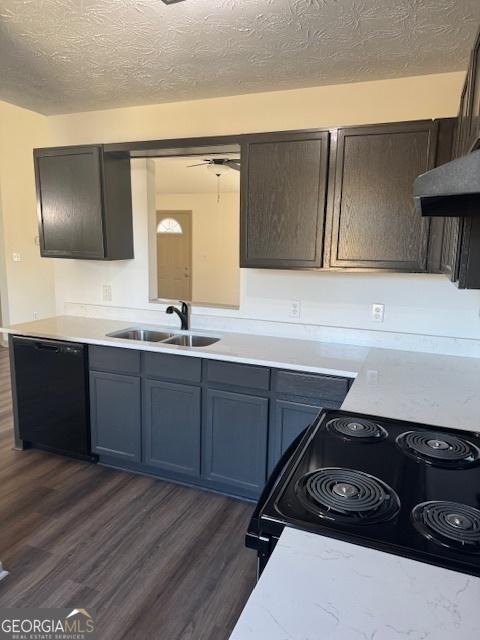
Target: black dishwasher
x=51, y=395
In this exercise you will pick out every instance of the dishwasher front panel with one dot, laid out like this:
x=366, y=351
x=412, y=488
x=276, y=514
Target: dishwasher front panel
x=52, y=394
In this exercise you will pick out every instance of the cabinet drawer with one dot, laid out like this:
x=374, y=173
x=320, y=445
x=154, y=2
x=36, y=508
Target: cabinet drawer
x=172, y=367
x=238, y=375
x=310, y=385
x=116, y=359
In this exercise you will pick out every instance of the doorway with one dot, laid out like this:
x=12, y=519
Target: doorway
x=174, y=254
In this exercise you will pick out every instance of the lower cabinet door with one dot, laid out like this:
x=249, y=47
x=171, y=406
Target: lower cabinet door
x=289, y=419
x=172, y=426
x=115, y=415
x=235, y=442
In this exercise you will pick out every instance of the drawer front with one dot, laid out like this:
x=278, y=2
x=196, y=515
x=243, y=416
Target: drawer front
x=115, y=359
x=238, y=375
x=172, y=367
x=310, y=386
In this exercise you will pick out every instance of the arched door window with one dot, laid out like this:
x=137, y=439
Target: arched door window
x=169, y=225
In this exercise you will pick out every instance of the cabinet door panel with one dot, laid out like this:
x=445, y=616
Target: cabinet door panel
x=235, y=444
x=374, y=222
x=69, y=202
x=283, y=201
x=289, y=419
x=474, y=107
x=172, y=421
x=115, y=415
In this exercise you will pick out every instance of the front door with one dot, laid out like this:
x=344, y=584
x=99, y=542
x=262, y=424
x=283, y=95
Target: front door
x=174, y=254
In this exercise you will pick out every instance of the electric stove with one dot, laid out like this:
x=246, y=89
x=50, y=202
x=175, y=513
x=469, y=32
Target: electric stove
x=404, y=488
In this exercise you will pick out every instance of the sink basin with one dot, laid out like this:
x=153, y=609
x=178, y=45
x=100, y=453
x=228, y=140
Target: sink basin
x=145, y=335
x=192, y=341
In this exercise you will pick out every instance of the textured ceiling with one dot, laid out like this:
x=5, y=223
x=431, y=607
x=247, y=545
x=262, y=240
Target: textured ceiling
x=59, y=56
x=175, y=175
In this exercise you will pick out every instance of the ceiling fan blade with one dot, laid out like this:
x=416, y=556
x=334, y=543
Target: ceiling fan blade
x=200, y=164
x=233, y=164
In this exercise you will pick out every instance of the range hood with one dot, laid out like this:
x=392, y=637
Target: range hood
x=451, y=190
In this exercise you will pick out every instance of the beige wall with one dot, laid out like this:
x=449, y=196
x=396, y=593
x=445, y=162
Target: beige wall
x=215, y=255
x=363, y=102
x=27, y=286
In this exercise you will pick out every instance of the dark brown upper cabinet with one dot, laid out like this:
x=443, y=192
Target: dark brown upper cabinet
x=473, y=79
x=460, y=254
x=84, y=203
x=373, y=221
x=283, y=194
x=441, y=235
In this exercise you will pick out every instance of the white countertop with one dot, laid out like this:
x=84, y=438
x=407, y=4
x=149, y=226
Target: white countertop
x=316, y=588
x=407, y=385
x=300, y=355
x=420, y=387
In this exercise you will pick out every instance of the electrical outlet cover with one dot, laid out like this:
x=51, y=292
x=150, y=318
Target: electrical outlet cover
x=107, y=292
x=295, y=309
x=378, y=312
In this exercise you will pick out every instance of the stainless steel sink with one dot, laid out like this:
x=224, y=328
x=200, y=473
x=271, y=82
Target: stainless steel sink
x=192, y=341
x=145, y=335
x=180, y=339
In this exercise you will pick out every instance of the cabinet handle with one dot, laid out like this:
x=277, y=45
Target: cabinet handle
x=46, y=347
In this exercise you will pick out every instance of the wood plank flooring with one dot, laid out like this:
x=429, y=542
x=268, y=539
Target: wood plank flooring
x=152, y=559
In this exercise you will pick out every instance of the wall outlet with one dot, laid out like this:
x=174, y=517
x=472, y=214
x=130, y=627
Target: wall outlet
x=378, y=311
x=35, y=315
x=295, y=309
x=107, y=292
x=16, y=257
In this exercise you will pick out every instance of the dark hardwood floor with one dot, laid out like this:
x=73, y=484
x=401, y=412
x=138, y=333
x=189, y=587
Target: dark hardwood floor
x=151, y=559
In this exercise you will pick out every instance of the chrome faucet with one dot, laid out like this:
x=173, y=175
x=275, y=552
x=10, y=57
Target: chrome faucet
x=183, y=314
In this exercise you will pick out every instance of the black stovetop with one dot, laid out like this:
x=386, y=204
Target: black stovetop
x=400, y=487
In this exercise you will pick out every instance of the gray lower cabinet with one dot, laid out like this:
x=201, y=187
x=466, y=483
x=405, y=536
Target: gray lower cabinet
x=235, y=442
x=172, y=426
x=289, y=419
x=115, y=415
x=220, y=425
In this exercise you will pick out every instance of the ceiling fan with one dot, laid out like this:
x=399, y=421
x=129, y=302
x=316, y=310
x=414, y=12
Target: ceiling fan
x=219, y=166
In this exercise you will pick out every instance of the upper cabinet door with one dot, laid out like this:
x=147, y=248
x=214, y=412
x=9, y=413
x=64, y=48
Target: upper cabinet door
x=69, y=193
x=374, y=222
x=474, y=120
x=284, y=179
x=83, y=203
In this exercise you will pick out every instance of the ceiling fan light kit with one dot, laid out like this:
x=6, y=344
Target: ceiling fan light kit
x=218, y=169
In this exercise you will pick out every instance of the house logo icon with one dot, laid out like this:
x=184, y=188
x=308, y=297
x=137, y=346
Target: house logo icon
x=82, y=612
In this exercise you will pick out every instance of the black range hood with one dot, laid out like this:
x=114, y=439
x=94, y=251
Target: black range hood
x=451, y=190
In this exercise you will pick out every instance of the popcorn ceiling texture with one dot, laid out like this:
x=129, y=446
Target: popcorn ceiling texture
x=61, y=56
